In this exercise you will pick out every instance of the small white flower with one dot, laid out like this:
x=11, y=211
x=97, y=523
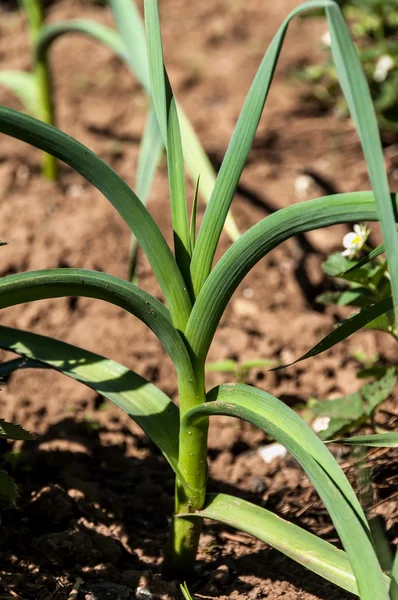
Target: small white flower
x=353, y=242
x=325, y=39
x=271, y=451
x=383, y=66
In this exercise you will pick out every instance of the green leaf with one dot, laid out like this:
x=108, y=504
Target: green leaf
x=222, y=366
x=284, y=425
x=127, y=204
x=24, y=86
x=377, y=440
x=255, y=243
x=10, y=431
x=237, y=152
x=376, y=392
x=130, y=46
x=361, y=276
x=336, y=264
x=129, y=24
x=57, y=283
x=394, y=578
x=192, y=224
x=185, y=591
x=305, y=548
x=151, y=148
x=348, y=407
x=8, y=490
x=354, y=408
x=105, y=35
x=373, y=371
x=199, y=165
x=257, y=363
x=141, y=400
x=347, y=328
x=166, y=112
x=358, y=296
x=356, y=91
x=367, y=259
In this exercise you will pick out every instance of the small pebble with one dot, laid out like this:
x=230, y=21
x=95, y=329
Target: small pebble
x=271, y=451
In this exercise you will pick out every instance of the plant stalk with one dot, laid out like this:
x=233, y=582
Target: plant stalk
x=182, y=545
x=35, y=16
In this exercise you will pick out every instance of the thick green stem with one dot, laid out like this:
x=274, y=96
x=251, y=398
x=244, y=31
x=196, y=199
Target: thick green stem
x=183, y=543
x=34, y=14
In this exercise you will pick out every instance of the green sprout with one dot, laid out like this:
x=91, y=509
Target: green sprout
x=197, y=294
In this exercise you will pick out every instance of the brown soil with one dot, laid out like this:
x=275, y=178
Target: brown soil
x=95, y=493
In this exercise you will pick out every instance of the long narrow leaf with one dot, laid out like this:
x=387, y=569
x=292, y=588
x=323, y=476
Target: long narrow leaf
x=151, y=147
x=131, y=29
x=377, y=440
x=107, y=36
x=284, y=425
x=347, y=328
x=127, y=204
x=356, y=91
x=236, y=155
x=129, y=23
x=394, y=578
x=150, y=153
x=142, y=401
x=366, y=259
x=24, y=86
x=305, y=548
x=166, y=112
x=56, y=283
x=130, y=46
x=255, y=243
x=199, y=166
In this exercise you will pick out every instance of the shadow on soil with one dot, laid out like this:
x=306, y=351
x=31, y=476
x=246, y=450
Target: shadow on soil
x=81, y=497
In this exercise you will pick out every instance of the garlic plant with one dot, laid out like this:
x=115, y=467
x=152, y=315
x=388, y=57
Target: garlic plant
x=197, y=294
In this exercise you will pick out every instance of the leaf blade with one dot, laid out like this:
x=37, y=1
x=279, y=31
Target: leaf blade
x=255, y=243
x=23, y=85
x=283, y=424
x=123, y=387
x=237, y=152
x=346, y=329
x=356, y=91
x=166, y=112
x=305, y=548
x=10, y=431
x=150, y=153
x=55, y=283
x=377, y=440
x=127, y=204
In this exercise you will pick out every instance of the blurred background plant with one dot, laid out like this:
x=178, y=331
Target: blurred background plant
x=374, y=25
x=361, y=279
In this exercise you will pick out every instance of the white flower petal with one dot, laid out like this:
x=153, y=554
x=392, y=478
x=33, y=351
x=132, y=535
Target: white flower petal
x=349, y=239
x=358, y=229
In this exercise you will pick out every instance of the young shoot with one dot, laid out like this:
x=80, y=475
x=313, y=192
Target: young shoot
x=196, y=294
